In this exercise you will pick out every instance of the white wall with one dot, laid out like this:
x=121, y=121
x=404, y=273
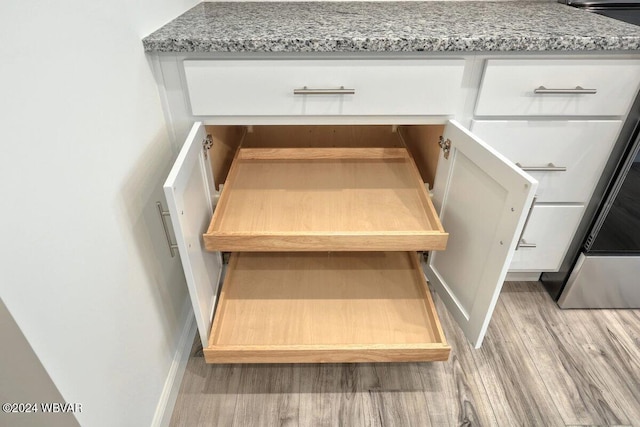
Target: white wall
x=84, y=268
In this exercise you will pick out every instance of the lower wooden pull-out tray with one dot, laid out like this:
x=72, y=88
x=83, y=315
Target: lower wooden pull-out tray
x=314, y=199
x=307, y=307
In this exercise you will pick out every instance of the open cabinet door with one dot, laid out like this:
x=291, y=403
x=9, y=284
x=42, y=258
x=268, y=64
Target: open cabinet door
x=188, y=192
x=483, y=200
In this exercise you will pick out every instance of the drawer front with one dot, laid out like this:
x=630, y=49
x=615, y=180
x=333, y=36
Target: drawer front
x=261, y=88
x=581, y=147
x=508, y=87
x=550, y=229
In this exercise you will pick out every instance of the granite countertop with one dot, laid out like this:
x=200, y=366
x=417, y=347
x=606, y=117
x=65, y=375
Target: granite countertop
x=390, y=27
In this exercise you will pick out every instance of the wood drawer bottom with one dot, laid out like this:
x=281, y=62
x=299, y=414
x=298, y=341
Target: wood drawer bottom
x=325, y=307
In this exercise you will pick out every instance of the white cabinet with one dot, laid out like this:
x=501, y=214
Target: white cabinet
x=481, y=197
x=483, y=201
x=558, y=120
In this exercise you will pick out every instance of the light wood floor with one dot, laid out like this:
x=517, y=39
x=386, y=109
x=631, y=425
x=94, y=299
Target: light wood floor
x=539, y=366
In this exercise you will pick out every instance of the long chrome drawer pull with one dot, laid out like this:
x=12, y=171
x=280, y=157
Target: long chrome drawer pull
x=524, y=244
x=172, y=246
x=524, y=227
x=549, y=168
x=577, y=90
x=341, y=91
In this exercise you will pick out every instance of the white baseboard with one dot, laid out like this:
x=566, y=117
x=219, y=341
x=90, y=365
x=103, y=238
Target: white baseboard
x=169, y=395
x=522, y=276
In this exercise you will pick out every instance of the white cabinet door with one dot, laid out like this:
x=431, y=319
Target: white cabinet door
x=188, y=190
x=483, y=200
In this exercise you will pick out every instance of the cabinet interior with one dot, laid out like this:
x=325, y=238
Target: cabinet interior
x=305, y=188
x=420, y=140
x=323, y=223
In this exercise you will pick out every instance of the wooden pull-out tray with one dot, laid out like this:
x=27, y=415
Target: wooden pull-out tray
x=325, y=307
x=314, y=199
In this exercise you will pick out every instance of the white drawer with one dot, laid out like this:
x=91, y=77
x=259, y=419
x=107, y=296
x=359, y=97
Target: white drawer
x=550, y=229
x=382, y=87
x=582, y=147
x=508, y=87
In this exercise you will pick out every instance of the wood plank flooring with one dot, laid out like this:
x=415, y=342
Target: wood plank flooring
x=538, y=366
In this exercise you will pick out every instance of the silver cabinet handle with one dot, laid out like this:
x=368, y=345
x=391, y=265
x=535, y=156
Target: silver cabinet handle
x=340, y=91
x=523, y=244
x=578, y=90
x=549, y=168
x=163, y=214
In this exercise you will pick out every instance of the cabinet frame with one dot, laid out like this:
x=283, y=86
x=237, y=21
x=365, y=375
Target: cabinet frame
x=171, y=79
x=507, y=219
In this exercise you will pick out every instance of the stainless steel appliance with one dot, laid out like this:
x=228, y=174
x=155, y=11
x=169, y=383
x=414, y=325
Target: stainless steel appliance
x=622, y=10
x=602, y=267
x=607, y=272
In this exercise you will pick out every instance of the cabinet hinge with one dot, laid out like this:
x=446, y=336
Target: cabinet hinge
x=445, y=145
x=207, y=143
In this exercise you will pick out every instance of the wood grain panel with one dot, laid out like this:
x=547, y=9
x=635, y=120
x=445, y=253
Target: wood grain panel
x=466, y=390
x=322, y=153
x=511, y=377
x=455, y=391
x=208, y=394
x=321, y=136
x=307, y=242
x=271, y=397
x=612, y=358
x=578, y=390
x=326, y=390
x=396, y=393
x=226, y=140
x=422, y=142
x=326, y=354
x=333, y=307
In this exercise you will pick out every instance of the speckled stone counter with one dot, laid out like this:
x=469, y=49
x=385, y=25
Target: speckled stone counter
x=391, y=27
